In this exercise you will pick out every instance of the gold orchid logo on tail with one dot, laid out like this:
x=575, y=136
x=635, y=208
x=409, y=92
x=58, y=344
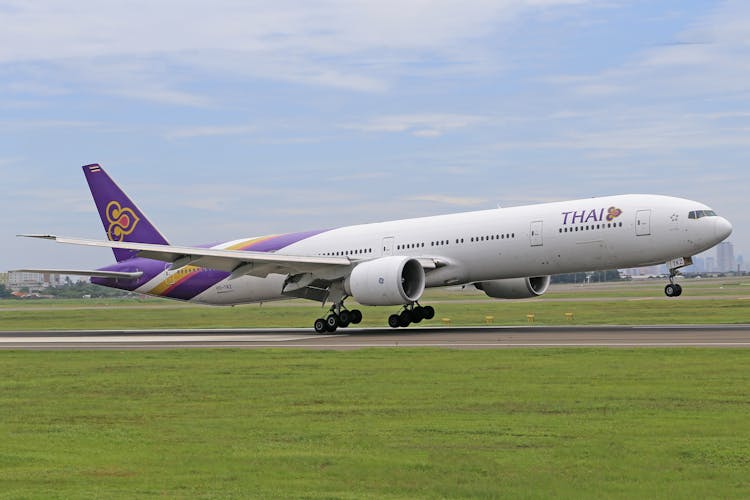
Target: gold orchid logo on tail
x=122, y=221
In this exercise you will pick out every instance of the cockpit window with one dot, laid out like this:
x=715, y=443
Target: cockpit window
x=697, y=214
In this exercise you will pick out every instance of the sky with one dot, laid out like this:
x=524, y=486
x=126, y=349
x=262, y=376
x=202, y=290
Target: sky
x=229, y=118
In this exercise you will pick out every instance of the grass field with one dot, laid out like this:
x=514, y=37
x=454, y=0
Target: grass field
x=723, y=300
x=376, y=423
x=385, y=423
x=655, y=311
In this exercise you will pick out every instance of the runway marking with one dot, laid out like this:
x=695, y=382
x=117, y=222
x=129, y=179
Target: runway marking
x=607, y=336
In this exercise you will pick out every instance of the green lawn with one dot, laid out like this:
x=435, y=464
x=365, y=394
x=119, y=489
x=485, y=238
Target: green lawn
x=625, y=312
x=719, y=300
x=385, y=423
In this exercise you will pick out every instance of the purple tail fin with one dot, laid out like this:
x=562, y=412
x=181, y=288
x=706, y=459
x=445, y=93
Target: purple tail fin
x=122, y=219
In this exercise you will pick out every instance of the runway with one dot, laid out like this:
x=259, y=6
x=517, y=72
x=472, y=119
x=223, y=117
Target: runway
x=493, y=337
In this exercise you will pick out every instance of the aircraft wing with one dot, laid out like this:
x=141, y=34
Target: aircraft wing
x=85, y=272
x=238, y=262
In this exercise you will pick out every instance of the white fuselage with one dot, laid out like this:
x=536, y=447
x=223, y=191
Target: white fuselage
x=535, y=240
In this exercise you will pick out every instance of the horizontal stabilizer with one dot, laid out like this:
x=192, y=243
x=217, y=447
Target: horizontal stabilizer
x=85, y=272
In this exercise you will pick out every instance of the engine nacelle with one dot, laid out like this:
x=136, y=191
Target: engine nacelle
x=388, y=281
x=515, y=288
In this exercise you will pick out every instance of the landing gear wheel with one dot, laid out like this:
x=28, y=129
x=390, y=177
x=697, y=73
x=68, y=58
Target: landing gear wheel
x=320, y=325
x=345, y=317
x=332, y=322
x=416, y=314
x=404, y=319
x=356, y=316
x=428, y=312
x=678, y=289
x=671, y=290
x=394, y=321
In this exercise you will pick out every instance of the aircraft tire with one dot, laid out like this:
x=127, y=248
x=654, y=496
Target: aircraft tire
x=671, y=290
x=416, y=315
x=356, y=316
x=320, y=325
x=345, y=317
x=332, y=322
x=404, y=319
x=394, y=321
x=428, y=312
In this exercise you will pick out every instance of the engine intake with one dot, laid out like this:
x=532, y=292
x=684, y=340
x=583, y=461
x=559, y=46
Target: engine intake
x=387, y=281
x=515, y=288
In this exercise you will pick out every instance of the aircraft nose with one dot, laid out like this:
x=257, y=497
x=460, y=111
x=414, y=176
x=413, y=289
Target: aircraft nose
x=722, y=228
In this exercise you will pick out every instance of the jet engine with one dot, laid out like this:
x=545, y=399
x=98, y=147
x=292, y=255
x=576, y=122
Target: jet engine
x=387, y=281
x=515, y=288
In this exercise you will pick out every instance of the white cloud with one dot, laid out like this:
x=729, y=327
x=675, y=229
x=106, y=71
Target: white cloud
x=39, y=124
x=710, y=58
x=359, y=46
x=420, y=125
x=210, y=131
x=88, y=28
x=447, y=200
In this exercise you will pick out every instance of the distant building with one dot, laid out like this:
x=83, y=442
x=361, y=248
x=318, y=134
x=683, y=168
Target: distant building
x=710, y=265
x=740, y=263
x=4, y=279
x=725, y=257
x=641, y=272
x=699, y=265
x=32, y=281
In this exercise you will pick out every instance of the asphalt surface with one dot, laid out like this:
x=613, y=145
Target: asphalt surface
x=727, y=336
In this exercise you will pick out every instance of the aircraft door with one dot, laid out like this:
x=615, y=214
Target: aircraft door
x=535, y=233
x=643, y=223
x=388, y=246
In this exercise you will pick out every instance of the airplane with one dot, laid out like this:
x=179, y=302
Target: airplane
x=509, y=253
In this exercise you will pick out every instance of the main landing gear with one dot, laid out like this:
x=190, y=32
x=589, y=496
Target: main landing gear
x=413, y=313
x=339, y=317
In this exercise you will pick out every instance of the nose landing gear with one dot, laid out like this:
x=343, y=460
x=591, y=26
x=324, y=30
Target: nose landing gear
x=673, y=289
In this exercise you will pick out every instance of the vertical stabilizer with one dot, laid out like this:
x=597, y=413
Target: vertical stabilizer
x=122, y=219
